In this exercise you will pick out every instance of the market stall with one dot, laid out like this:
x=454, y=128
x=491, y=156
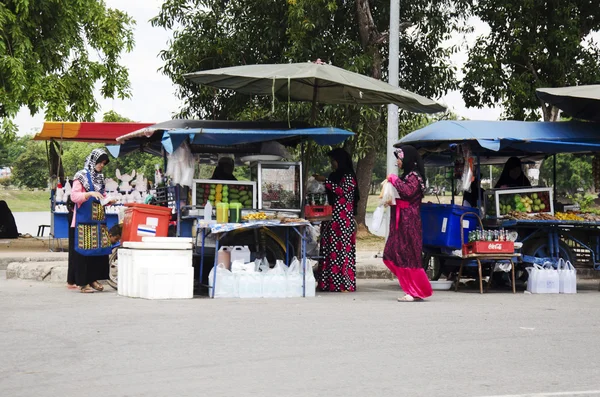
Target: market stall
x=58, y=132
x=267, y=211
x=532, y=216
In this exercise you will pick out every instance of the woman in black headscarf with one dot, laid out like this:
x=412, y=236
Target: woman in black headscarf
x=337, y=269
x=224, y=170
x=402, y=253
x=513, y=175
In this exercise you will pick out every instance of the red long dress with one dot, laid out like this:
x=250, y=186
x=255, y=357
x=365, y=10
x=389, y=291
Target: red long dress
x=402, y=253
x=337, y=269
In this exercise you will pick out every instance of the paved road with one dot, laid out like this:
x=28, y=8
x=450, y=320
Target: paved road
x=57, y=342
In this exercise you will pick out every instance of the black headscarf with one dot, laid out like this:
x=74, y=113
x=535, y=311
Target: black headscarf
x=344, y=167
x=224, y=170
x=412, y=162
x=507, y=180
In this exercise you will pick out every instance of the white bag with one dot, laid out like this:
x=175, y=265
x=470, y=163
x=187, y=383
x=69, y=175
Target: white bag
x=249, y=284
x=226, y=285
x=389, y=194
x=567, y=277
x=309, y=280
x=275, y=281
x=377, y=221
x=294, y=280
x=535, y=276
x=552, y=279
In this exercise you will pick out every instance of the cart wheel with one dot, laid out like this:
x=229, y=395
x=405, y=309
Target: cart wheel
x=260, y=241
x=113, y=268
x=539, y=248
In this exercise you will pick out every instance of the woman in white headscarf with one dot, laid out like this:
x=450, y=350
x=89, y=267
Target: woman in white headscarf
x=89, y=242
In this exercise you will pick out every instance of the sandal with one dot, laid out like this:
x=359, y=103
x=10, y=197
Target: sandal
x=72, y=286
x=97, y=286
x=406, y=298
x=87, y=289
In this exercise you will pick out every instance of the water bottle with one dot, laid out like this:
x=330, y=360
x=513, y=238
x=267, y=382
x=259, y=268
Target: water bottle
x=208, y=211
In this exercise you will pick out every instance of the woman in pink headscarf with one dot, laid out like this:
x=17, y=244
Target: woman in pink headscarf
x=402, y=254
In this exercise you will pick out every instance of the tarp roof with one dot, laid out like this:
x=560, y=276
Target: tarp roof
x=86, y=131
x=226, y=136
x=581, y=102
x=503, y=139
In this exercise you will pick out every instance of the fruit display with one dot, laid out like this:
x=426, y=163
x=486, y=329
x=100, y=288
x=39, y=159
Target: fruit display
x=224, y=193
x=255, y=216
x=568, y=216
x=512, y=201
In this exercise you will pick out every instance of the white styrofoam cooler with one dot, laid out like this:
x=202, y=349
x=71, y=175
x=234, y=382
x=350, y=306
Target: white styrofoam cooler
x=156, y=268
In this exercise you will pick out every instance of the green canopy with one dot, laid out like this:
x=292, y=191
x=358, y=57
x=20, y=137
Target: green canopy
x=581, y=102
x=313, y=82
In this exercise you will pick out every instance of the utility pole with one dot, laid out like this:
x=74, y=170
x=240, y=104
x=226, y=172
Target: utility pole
x=393, y=71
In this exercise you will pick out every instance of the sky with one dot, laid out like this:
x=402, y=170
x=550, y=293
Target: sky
x=153, y=95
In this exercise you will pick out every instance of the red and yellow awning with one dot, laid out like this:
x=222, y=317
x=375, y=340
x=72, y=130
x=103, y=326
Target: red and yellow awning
x=87, y=131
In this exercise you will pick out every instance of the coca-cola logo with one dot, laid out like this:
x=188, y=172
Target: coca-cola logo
x=496, y=247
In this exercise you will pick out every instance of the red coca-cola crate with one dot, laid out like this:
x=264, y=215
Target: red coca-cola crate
x=317, y=211
x=489, y=247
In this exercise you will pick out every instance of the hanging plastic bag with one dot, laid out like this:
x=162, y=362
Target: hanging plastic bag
x=225, y=282
x=388, y=194
x=294, y=279
x=377, y=221
x=275, y=281
x=181, y=166
x=567, y=277
x=314, y=186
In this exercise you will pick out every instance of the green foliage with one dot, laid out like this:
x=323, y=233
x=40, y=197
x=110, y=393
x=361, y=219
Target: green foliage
x=532, y=44
x=10, y=151
x=572, y=173
x=6, y=181
x=217, y=35
x=585, y=200
x=53, y=54
x=31, y=167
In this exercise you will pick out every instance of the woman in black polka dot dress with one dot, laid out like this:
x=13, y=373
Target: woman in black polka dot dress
x=337, y=269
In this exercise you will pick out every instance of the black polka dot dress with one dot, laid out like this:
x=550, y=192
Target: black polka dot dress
x=337, y=268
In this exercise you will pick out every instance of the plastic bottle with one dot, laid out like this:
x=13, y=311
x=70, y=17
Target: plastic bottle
x=208, y=211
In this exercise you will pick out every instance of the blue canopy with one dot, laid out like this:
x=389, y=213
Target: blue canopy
x=233, y=137
x=507, y=138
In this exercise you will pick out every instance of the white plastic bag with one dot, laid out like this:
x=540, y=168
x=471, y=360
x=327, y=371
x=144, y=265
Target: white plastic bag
x=275, y=281
x=226, y=285
x=249, y=284
x=388, y=194
x=309, y=279
x=533, y=282
x=377, y=220
x=567, y=277
x=181, y=166
x=314, y=186
x=294, y=279
x=552, y=279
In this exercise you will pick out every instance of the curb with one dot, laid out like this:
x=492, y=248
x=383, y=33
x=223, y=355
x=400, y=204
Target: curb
x=5, y=260
x=39, y=271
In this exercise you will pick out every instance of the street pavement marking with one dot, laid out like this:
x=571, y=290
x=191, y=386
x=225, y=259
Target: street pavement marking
x=562, y=393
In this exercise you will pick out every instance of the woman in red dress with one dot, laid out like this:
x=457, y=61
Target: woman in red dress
x=402, y=254
x=337, y=268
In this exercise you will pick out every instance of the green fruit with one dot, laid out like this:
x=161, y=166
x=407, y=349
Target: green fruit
x=211, y=197
x=542, y=206
x=537, y=202
x=536, y=208
x=534, y=196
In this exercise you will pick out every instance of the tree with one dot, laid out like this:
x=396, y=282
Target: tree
x=31, y=167
x=53, y=54
x=532, y=44
x=573, y=172
x=10, y=151
x=352, y=35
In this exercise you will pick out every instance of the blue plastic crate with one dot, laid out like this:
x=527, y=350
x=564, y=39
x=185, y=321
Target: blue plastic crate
x=441, y=224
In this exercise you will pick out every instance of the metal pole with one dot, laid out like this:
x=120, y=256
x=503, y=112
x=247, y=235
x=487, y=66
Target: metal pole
x=393, y=72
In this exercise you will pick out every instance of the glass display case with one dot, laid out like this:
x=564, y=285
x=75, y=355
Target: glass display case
x=217, y=191
x=279, y=183
x=500, y=202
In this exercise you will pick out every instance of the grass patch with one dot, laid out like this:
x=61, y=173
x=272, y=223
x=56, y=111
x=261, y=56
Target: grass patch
x=26, y=200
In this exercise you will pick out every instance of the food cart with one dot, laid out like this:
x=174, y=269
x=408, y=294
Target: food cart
x=545, y=233
x=275, y=191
